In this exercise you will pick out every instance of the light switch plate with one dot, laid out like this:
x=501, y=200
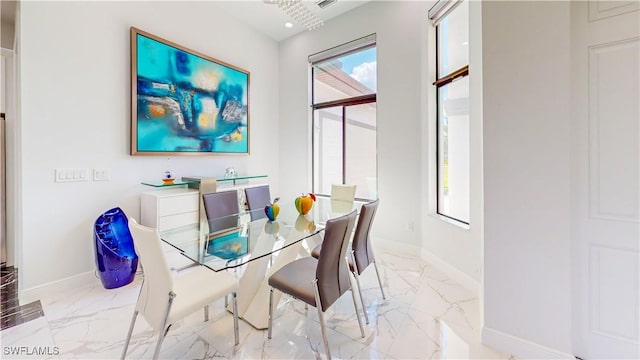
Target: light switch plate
x=71, y=174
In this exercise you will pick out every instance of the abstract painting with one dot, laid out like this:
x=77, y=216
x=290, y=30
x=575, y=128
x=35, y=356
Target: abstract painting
x=184, y=102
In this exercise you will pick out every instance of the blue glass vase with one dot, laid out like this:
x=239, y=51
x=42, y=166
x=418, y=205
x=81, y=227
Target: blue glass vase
x=116, y=258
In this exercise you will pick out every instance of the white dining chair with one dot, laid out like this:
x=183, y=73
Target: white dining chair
x=166, y=298
x=343, y=192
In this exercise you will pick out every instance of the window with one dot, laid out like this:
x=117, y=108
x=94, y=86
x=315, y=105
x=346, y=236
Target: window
x=451, y=19
x=344, y=118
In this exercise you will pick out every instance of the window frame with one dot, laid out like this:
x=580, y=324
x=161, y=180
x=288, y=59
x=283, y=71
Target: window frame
x=343, y=103
x=439, y=84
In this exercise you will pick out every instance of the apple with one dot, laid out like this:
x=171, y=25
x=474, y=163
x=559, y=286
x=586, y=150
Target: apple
x=304, y=203
x=272, y=210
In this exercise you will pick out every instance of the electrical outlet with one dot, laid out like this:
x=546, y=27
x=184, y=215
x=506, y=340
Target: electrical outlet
x=411, y=226
x=101, y=174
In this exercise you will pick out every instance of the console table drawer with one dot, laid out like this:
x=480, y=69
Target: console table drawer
x=169, y=208
x=178, y=204
x=177, y=220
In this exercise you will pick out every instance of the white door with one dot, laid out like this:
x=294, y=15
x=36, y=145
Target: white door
x=606, y=179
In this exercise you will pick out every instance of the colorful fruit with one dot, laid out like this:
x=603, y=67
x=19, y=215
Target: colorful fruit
x=304, y=203
x=272, y=210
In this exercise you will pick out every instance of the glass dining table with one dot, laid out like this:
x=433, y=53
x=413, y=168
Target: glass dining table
x=253, y=248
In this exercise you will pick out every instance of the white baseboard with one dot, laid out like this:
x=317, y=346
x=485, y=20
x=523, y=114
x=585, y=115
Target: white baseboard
x=521, y=348
x=55, y=287
x=451, y=271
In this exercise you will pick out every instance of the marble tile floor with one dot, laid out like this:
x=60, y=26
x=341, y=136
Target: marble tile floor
x=11, y=312
x=425, y=316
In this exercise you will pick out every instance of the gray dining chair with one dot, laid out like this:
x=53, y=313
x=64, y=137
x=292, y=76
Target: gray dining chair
x=221, y=209
x=361, y=255
x=166, y=298
x=319, y=282
x=257, y=198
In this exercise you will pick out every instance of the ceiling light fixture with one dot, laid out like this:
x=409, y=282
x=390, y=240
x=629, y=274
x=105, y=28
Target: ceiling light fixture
x=297, y=11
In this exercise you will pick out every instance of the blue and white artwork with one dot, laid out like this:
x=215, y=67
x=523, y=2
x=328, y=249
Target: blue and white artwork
x=186, y=102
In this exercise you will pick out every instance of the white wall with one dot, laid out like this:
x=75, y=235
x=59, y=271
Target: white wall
x=75, y=104
x=449, y=245
x=526, y=53
x=405, y=140
x=401, y=34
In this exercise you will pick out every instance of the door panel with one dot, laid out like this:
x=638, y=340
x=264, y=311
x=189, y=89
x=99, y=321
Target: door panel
x=613, y=129
x=605, y=179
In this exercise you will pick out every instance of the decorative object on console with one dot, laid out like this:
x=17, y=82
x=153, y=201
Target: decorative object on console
x=185, y=102
x=169, y=177
x=116, y=259
x=304, y=203
x=230, y=173
x=272, y=210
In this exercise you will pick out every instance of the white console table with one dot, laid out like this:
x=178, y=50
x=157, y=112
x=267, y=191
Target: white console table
x=168, y=206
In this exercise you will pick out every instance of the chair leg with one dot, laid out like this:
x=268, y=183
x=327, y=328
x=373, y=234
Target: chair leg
x=161, y=337
x=126, y=342
x=364, y=307
x=375, y=265
x=270, y=313
x=316, y=291
x=355, y=305
x=206, y=313
x=235, y=318
x=357, y=277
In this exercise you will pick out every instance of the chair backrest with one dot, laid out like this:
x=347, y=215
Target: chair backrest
x=219, y=207
x=361, y=238
x=207, y=186
x=332, y=271
x=158, y=282
x=343, y=192
x=257, y=198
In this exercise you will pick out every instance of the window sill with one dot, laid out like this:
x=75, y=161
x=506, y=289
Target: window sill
x=453, y=222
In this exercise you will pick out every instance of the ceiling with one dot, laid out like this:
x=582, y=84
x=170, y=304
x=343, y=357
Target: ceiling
x=270, y=19
x=259, y=14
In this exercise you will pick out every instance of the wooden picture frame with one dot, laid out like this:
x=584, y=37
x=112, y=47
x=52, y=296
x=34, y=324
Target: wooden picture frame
x=184, y=102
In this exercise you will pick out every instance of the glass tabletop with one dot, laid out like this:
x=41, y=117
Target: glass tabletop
x=240, y=238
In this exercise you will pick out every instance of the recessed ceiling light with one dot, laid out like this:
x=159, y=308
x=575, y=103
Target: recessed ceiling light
x=288, y=25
